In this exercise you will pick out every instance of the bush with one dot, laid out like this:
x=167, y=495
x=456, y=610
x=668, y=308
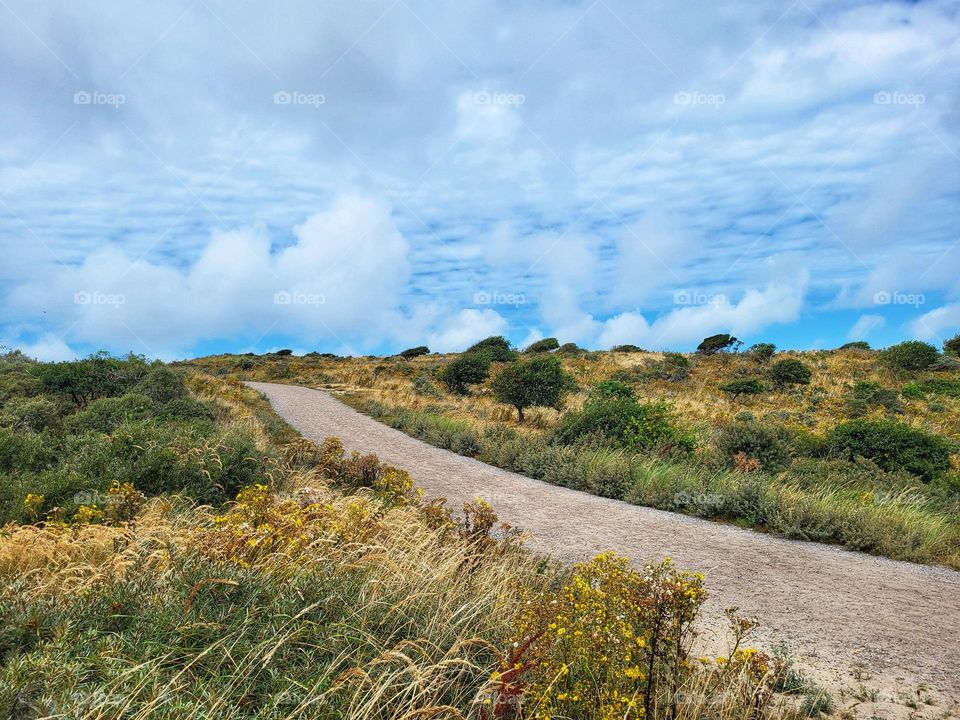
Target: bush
x=912, y=355
x=496, y=347
x=933, y=386
x=624, y=422
x=626, y=348
x=612, y=390
x=754, y=441
x=545, y=345
x=762, y=352
x=162, y=385
x=946, y=363
x=570, y=349
x=855, y=345
x=537, y=382
x=743, y=386
x=423, y=385
x=34, y=414
x=865, y=394
x=717, y=343
x=415, y=352
x=674, y=367
x=790, y=372
x=97, y=376
x=893, y=446
x=467, y=369
x=107, y=414
x=285, y=352
x=952, y=345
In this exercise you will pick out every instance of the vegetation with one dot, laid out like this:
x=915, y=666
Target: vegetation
x=762, y=352
x=545, y=345
x=791, y=371
x=855, y=345
x=893, y=446
x=952, y=345
x=325, y=586
x=537, y=382
x=469, y=369
x=413, y=352
x=496, y=347
x=744, y=386
x=912, y=355
x=717, y=343
x=787, y=479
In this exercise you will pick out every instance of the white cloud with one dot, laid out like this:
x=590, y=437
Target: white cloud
x=943, y=322
x=865, y=325
x=459, y=331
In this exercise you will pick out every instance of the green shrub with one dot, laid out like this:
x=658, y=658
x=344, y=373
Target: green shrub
x=423, y=385
x=186, y=409
x=893, y=446
x=866, y=394
x=674, y=367
x=952, y=345
x=30, y=413
x=855, y=345
x=754, y=441
x=743, y=386
x=496, y=347
x=468, y=369
x=545, y=345
x=762, y=352
x=97, y=376
x=717, y=343
x=415, y=352
x=107, y=414
x=570, y=349
x=626, y=348
x=540, y=381
x=162, y=385
x=912, y=355
x=612, y=389
x=790, y=372
x=948, y=387
x=624, y=422
x=946, y=363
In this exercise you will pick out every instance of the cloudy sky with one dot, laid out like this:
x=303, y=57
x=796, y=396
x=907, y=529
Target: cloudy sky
x=196, y=176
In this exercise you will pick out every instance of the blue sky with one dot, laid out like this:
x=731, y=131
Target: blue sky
x=200, y=176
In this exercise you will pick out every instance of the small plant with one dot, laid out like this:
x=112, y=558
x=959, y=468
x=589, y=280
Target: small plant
x=872, y=394
x=911, y=356
x=952, y=345
x=570, y=349
x=540, y=381
x=718, y=343
x=423, y=385
x=743, y=386
x=791, y=371
x=466, y=370
x=855, y=345
x=545, y=345
x=612, y=389
x=414, y=352
x=626, y=348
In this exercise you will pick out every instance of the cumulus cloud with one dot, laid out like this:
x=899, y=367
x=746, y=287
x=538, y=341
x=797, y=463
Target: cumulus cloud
x=459, y=331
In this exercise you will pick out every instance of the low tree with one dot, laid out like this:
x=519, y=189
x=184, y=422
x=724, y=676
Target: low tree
x=855, y=345
x=496, y=347
x=952, y=345
x=545, y=345
x=539, y=382
x=718, y=343
x=790, y=372
x=413, y=352
x=762, y=352
x=285, y=352
x=912, y=355
x=628, y=348
x=570, y=349
x=466, y=370
x=743, y=386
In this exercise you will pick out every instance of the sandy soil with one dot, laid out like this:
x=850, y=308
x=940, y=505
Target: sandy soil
x=855, y=622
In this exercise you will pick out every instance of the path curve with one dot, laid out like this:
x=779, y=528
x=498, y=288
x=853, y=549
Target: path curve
x=898, y=622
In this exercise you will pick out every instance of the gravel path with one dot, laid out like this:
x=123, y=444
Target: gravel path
x=848, y=617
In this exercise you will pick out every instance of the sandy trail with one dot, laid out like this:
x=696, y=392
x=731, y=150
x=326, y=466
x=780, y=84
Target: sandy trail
x=850, y=618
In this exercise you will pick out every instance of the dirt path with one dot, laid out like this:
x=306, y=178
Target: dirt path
x=851, y=618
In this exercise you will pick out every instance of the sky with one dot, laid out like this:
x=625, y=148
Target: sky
x=200, y=176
